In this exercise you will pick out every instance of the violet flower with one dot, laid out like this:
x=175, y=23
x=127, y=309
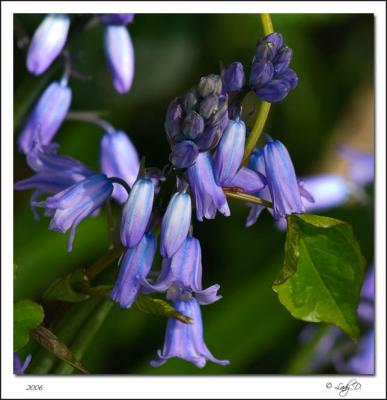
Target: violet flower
x=47, y=42
x=229, y=153
x=233, y=77
x=46, y=117
x=175, y=224
x=181, y=275
x=19, y=366
x=209, y=197
x=186, y=340
x=135, y=265
x=136, y=212
x=76, y=203
x=247, y=181
x=119, y=54
x=119, y=158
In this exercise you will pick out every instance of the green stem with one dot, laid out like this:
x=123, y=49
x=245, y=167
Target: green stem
x=86, y=335
x=263, y=112
x=247, y=197
x=267, y=24
x=66, y=330
x=104, y=262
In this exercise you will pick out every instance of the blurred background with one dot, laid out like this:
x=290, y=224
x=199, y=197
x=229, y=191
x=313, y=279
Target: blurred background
x=332, y=106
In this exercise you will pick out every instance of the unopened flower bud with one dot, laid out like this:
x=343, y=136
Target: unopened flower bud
x=234, y=77
x=193, y=125
x=211, y=84
x=208, y=106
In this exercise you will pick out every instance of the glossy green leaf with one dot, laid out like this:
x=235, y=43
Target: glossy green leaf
x=150, y=305
x=26, y=315
x=55, y=346
x=323, y=272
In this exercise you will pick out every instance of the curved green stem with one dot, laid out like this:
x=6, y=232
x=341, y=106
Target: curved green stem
x=263, y=112
x=247, y=197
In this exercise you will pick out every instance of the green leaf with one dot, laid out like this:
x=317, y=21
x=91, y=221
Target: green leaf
x=150, y=305
x=26, y=315
x=55, y=346
x=323, y=272
x=66, y=289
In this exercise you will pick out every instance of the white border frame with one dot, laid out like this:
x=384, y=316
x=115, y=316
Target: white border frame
x=186, y=386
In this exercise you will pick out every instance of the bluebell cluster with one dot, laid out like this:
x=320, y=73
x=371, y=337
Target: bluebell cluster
x=207, y=137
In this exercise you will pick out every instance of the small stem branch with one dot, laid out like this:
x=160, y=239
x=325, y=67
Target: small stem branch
x=257, y=130
x=104, y=262
x=267, y=24
x=91, y=117
x=114, y=179
x=247, y=197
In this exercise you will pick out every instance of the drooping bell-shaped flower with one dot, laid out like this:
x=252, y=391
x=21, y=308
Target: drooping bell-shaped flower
x=281, y=180
x=119, y=158
x=119, y=54
x=54, y=172
x=233, y=77
x=76, y=203
x=47, y=42
x=19, y=366
x=186, y=340
x=209, y=197
x=137, y=211
x=175, y=224
x=229, y=153
x=46, y=117
x=181, y=275
x=184, y=154
x=135, y=265
x=117, y=19
x=246, y=180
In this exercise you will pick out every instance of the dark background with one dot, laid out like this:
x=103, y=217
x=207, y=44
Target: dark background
x=333, y=57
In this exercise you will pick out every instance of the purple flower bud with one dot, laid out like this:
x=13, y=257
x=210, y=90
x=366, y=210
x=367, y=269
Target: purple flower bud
x=273, y=92
x=289, y=77
x=261, y=73
x=234, y=77
x=18, y=365
x=119, y=159
x=117, y=19
x=211, y=84
x=208, y=106
x=47, y=42
x=186, y=340
x=181, y=275
x=281, y=180
x=328, y=191
x=282, y=60
x=46, y=117
x=190, y=100
x=134, y=267
x=136, y=212
x=209, y=197
x=174, y=118
x=268, y=47
x=119, y=55
x=76, y=203
x=176, y=223
x=229, y=152
x=184, y=154
x=193, y=125
x=247, y=181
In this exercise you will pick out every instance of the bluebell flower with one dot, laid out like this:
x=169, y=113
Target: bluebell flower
x=270, y=76
x=363, y=362
x=175, y=224
x=209, y=197
x=361, y=169
x=46, y=117
x=247, y=181
x=47, y=42
x=136, y=212
x=233, y=77
x=186, y=340
x=181, y=275
x=197, y=120
x=119, y=54
x=117, y=19
x=54, y=172
x=229, y=153
x=19, y=366
x=72, y=205
x=119, y=158
x=135, y=265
